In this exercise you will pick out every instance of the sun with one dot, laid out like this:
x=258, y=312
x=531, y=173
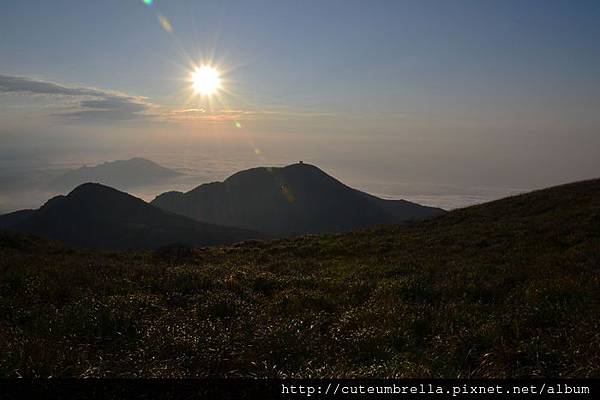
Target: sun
x=206, y=80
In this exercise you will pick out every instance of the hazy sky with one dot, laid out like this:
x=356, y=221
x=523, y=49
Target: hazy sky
x=467, y=93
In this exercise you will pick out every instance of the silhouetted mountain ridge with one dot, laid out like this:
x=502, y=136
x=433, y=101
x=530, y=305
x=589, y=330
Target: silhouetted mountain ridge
x=299, y=198
x=134, y=172
x=97, y=216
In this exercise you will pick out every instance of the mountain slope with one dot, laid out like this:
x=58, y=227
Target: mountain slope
x=93, y=215
x=299, y=198
x=505, y=289
x=121, y=174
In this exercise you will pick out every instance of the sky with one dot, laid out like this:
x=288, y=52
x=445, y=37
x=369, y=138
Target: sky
x=401, y=98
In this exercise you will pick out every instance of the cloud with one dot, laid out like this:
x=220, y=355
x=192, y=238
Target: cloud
x=91, y=104
x=22, y=85
x=220, y=115
x=111, y=107
x=232, y=115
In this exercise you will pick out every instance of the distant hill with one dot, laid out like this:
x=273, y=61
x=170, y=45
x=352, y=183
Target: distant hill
x=508, y=289
x=299, y=198
x=121, y=174
x=97, y=216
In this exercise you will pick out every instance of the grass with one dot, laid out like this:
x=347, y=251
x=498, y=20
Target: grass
x=506, y=289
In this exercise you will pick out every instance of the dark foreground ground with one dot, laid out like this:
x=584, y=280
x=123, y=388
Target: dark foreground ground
x=506, y=289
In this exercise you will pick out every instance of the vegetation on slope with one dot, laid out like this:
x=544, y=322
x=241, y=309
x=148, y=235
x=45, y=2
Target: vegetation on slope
x=506, y=289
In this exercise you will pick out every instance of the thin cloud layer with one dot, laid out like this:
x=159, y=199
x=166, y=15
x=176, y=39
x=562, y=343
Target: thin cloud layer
x=220, y=115
x=93, y=104
x=22, y=85
x=111, y=107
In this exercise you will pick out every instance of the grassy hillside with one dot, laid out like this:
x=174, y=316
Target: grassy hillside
x=509, y=288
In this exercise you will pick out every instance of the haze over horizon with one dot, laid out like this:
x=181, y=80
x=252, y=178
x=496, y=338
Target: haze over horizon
x=443, y=103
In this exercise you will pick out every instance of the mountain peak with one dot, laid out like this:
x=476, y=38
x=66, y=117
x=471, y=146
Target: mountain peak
x=123, y=174
x=98, y=193
x=302, y=166
x=299, y=169
x=91, y=187
x=295, y=199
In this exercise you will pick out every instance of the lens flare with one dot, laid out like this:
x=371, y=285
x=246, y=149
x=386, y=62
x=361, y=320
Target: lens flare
x=165, y=23
x=206, y=80
x=148, y=2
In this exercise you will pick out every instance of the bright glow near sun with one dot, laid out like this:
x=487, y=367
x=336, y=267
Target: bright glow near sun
x=206, y=80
